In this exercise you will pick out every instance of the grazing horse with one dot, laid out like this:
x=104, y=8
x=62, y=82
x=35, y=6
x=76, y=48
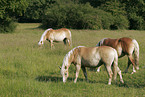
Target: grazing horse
x=124, y=46
x=92, y=57
x=51, y=35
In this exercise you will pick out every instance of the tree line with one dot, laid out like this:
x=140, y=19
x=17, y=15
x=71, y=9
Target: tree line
x=76, y=14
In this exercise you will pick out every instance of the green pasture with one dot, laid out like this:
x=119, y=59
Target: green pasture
x=27, y=70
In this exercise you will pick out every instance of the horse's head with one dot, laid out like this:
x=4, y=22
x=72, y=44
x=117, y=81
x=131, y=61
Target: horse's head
x=65, y=66
x=43, y=37
x=40, y=43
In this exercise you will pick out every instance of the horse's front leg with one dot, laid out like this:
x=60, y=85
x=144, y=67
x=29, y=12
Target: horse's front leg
x=52, y=45
x=69, y=42
x=78, y=67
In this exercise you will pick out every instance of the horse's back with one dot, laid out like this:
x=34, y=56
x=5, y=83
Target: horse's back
x=110, y=42
x=93, y=55
x=59, y=34
x=123, y=44
x=63, y=31
x=105, y=51
x=88, y=51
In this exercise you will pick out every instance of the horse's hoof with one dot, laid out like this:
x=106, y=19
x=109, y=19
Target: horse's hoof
x=132, y=72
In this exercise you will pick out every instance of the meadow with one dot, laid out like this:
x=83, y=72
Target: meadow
x=27, y=70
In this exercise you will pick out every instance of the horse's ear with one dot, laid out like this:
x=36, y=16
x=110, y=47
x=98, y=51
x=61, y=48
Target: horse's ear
x=59, y=67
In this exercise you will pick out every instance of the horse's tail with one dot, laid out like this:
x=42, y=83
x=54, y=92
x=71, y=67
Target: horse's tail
x=136, y=52
x=115, y=64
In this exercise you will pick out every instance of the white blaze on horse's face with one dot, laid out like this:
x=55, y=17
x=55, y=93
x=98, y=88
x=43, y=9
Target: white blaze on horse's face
x=64, y=73
x=64, y=77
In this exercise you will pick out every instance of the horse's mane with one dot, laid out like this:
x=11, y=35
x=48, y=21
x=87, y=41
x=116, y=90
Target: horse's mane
x=67, y=56
x=44, y=33
x=101, y=42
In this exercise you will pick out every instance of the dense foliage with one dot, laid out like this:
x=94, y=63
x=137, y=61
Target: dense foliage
x=77, y=14
x=8, y=10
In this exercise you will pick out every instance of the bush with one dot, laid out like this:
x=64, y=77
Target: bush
x=106, y=19
x=118, y=18
x=136, y=22
x=82, y=16
x=35, y=10
x=120, y=22
x=77, y=16
x=9, y=9
x=7, y=25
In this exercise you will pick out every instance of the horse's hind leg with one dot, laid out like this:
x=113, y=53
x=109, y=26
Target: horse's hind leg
x=65, y=41
x=84, y=71
x=110, y=73
x=130, y=61
x=78, y=67
x=120, y=75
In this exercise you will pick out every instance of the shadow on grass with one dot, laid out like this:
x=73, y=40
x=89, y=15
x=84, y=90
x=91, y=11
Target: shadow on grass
x=128, y=85
x=59, y=79
x=56, y=79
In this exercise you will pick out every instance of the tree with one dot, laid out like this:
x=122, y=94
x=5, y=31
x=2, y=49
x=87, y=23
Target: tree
x=77, y=16
x=35, y=10
x=118, y=12
x=136, y=13
x=8, y=10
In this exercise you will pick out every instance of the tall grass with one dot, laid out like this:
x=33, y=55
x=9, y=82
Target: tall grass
x=27, y=70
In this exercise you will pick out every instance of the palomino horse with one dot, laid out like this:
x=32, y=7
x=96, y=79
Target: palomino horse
x=51, y=35
x=92, y=57
x=124, y=46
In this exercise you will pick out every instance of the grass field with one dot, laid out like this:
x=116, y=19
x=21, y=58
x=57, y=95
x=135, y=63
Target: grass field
x=27, y=70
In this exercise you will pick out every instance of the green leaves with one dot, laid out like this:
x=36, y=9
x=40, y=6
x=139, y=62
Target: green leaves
x=8, y=10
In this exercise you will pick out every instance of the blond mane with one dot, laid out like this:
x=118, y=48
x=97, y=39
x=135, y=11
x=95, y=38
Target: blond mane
x=43, y=36
x=67, y=56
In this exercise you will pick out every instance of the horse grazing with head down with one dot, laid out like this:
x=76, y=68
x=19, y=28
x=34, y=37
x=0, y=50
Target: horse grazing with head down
x=124, y=46
x=92, y=57
x=51, y=35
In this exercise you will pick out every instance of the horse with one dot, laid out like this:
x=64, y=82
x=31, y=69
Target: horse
x=91, y=57
x=58, y=35
x=124, y=46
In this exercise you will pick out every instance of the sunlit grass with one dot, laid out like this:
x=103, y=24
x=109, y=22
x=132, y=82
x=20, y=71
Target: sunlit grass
x=31, y=71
